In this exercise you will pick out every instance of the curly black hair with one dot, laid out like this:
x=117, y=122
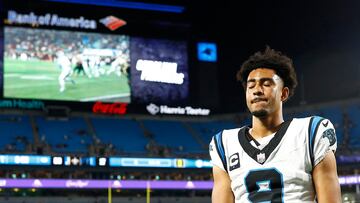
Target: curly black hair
x=271, y=59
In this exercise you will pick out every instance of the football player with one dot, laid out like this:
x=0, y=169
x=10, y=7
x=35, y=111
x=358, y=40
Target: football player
x=273, y=160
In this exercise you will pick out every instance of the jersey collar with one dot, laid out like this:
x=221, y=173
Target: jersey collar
x=258, y=155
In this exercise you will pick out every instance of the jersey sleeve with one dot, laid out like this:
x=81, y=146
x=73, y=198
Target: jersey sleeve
x=324, y=140
x=215, y=152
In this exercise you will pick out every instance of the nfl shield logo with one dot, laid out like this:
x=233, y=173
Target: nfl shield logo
x=261, y=158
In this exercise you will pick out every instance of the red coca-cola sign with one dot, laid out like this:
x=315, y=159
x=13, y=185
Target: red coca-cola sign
x=113, y=108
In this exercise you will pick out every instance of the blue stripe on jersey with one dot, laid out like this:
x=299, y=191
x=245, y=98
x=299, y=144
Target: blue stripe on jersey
x=219, y=146
x=314, y=124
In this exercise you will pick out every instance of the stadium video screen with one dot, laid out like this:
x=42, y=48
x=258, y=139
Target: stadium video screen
x=49, y=64
x=66, y=65
x=159, y=71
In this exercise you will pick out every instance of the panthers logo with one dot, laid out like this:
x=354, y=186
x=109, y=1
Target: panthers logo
x=330, y=134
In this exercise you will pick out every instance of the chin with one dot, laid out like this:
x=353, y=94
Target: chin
x=260, y=113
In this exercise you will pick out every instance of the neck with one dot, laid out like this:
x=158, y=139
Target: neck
x=265, y=126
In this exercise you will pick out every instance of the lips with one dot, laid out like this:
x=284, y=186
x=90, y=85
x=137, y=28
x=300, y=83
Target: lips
x=258, y=100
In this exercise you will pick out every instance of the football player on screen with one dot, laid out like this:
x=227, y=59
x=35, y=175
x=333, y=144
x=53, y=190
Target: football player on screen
x=119, y=65
x=78, y=65
x=65, y=67
x=274, y=160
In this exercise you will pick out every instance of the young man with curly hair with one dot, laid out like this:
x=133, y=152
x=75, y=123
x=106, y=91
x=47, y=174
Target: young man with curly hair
x=273, y=160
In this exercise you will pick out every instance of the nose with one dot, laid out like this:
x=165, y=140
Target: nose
x=258, y=90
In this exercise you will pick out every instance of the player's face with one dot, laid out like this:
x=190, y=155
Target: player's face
x=264, y=92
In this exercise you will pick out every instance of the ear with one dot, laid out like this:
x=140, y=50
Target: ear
x=285, y=94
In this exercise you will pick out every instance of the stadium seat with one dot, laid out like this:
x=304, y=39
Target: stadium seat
x=124, y=134
x=15, y=132
x=173, y=134
x=65, y=135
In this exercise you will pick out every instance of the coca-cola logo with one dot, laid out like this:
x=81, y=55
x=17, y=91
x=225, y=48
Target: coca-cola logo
x=113, y=108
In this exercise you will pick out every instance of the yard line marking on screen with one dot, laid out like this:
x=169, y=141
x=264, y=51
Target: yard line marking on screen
x=29, y=77
x=105, y=97
x=12, y=75
x=36, y=77
x=21, y=86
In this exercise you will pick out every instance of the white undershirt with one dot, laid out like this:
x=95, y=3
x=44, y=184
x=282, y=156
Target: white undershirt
x=262, y=141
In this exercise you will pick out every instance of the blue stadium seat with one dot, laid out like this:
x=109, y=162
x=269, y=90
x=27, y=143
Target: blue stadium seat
x=15, y=132
x=209, y=129
x=124, y=134
x=173, y=134
x=354, y=114
x=69, y=135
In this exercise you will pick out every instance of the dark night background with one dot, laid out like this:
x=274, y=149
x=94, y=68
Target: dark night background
x=322, y=38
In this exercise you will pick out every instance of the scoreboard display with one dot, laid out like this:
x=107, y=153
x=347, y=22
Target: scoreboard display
x=92, y=161
x=95, y=58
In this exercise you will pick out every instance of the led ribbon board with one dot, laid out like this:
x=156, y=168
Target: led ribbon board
x=104, y=184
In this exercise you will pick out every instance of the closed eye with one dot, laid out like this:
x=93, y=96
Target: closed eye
x=250, y=85
x=267, y=84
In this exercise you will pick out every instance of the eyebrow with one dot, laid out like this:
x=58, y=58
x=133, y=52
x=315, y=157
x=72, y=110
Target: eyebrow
x=261, y=80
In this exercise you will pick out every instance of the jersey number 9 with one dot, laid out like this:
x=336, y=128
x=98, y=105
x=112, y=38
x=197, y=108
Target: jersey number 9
x=264, y=185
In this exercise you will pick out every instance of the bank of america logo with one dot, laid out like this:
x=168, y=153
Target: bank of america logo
x=112, y=22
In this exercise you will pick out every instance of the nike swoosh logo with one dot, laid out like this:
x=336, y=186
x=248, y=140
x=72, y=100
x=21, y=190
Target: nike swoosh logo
x=325, y=124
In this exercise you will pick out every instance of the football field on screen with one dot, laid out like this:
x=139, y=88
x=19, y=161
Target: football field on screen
x=34, y=79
